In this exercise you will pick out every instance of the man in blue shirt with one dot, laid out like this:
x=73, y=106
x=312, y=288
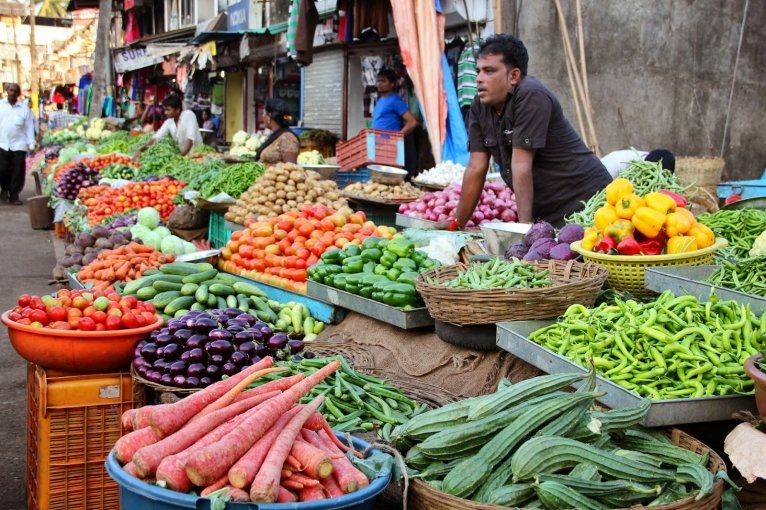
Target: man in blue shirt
x=391, y=112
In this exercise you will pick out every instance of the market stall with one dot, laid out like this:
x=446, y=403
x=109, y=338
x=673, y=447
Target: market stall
x=506, y=366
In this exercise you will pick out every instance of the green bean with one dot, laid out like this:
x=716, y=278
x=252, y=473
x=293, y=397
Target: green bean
x=498, y=274
x=692, y=349
x=748, y=276
x=740, y=227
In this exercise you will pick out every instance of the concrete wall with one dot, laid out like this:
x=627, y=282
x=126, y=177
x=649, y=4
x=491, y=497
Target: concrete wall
x=660, y=73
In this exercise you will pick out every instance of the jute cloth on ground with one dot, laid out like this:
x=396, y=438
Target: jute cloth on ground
x=369, y=343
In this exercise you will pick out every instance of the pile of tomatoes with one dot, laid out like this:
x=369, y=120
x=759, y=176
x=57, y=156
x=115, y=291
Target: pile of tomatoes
x=105, y=201
x=278, y=251
x=83, y=310
x=97, y=163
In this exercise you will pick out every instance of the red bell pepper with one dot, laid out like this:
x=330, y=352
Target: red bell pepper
x=680, y=201
x=605, y=245
x=629, y=246
x=651, y=246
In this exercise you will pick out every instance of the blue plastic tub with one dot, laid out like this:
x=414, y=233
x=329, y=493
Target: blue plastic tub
x=138, y=495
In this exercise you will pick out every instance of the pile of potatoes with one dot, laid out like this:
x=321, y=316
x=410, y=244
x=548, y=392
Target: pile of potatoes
x=381, y=191
x=284, y=187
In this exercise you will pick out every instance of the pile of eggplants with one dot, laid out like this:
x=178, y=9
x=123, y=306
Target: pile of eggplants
x=198, y=348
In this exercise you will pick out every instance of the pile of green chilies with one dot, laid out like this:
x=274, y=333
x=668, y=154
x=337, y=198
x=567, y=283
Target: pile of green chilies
x=353, y=400
x=748, y=276
x=498, y=274
x=673, y=347
x=741, y=227
x=233, y=179
x=646, y=177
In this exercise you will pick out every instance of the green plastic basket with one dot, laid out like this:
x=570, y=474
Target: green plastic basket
x=217, y=233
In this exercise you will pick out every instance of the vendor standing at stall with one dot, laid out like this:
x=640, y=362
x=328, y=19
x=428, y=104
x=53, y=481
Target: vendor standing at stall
x=519, y=122
x=282, y=145
x=181, y=125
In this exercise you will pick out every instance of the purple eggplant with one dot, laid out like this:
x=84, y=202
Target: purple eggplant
x=308, y=355
x=143, y=370
x=153, y=376
x=166, y=379
x=278, y=341
x=149, y=351
x=171, y=352
x=160, y=364
x=219, y=334
x=296, y=357
x=184, y=356
x=247, y=317
x=222, y=347
x=177, y=368
x=237, y=322
x=179, y=381
x=204, y=382
x=195, y=341
x=234, y=329
x=182, y=335
x=163, y=339
x=266, y=331
x=204, y=325
x=196, y=370
x=174, y=325
x=242, y=337
x=143, y=342
x=197, y=355
x=247, y=347
x=192, y=382
x=239, y=358
x=295, y=346
x=229, y=369
x=137, y=351
x=216, y=359
x=213, y=372
x=260, y=350
x=233, y=312
x=160, y=352
x=259, y=324
x=257, y=335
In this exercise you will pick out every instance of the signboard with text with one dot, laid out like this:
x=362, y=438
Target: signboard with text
x=238, y=16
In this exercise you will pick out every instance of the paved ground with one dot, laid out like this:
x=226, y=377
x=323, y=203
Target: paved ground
x=27, y=259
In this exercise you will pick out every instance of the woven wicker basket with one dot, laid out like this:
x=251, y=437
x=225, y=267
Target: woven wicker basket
x=424, y=497
x=695, y=171
x=572, y=282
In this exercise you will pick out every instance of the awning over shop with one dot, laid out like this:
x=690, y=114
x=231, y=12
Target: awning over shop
x=130, y=59
x=233, y=35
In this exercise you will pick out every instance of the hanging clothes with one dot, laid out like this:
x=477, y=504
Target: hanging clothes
x=370, y=20
x=308, y=19
x=292, y=27
x=466, y=75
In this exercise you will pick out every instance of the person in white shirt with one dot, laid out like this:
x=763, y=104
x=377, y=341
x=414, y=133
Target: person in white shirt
x=617, y=161
x=17, y=135
x=181, y=125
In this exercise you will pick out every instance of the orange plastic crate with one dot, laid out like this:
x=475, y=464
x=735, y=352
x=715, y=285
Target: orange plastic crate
x=371, y=146
x=73, y=422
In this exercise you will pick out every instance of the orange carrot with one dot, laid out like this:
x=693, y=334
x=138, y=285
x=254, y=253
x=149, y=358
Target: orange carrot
x=278, y=384
x=171, y=468
x=293, y=463
x=149, y=457
x=331, y=487
x=291, y=484
x=143, y=414
x=312, y=493
x=286, y=473
x=168, y=420
x=236, y=494
x=285, y=496
x=241, y=474
x=130, y=443
x=218, y=484
x=265, y=486
x=315, y=462
x=228, y=397
x=210, y=463
x=130, y=468
x=349, y=477
x=307, y=481
x=317, y=422
x=127, y=419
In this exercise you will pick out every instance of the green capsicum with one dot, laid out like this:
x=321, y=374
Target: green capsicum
x=353, y=264
x=371, y=254
x=380, y=269
x=331, y=256
x=393, y=273
x=368, y=267
x=372, y=279
x=408, y=277
x=351, y=250
x=370, y=242
x=405, y=264
x=401, y=246
x=388, y=258
x=339, y=281
x=429, y=263
x=418, y=256
x=399, y=295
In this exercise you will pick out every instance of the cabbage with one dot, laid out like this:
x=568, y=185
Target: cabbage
x=138, y=230
x=571, y=233
x=542, y=230
x=517, y=250
x=172, y=245
x=151, y=239
x=543, y=246
x=148, y=217
x=189, y=247
x=562, y=252
x=240, y=138
x=311, y=158
x=163, y=232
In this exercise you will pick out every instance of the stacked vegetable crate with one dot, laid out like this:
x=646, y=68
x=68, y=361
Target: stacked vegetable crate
x=72, y=424
x=218, y=234
x=371, y=146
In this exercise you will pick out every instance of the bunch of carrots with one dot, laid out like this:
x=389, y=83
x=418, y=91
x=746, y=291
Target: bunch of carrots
x=122, y=264
x=251, y=445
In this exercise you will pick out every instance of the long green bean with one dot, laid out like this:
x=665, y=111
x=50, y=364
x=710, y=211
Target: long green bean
x=499, y=274
x=740, y=227
x=669, y=348
x=646, y=177
x=748, y=276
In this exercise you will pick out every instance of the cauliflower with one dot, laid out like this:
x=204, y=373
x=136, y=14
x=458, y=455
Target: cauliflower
x=92, y=133
x=99, y=124
x=241, y=152
x=311, y=158
x=239, y=138
x=759, y=246
x=105, y=133
x=253, y=143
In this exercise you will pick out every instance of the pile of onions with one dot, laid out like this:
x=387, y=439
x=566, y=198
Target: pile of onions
x=496, y=203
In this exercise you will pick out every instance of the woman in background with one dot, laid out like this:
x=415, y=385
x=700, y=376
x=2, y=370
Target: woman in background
x=282, y=145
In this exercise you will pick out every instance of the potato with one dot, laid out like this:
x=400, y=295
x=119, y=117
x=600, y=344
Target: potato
x=281, y=194
x=280, y=201
x=332, y=196
x=272, y=197
x=290, y=195
x=292, y=203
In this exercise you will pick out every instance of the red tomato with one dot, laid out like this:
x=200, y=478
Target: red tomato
x=58, y=313
x=39, y=316
x=86, y=324
x=129, y=321
x=25, y=300
x=98, y=316
x=112, y=322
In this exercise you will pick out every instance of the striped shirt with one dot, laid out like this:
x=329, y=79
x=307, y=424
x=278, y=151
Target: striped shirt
x=466, y=75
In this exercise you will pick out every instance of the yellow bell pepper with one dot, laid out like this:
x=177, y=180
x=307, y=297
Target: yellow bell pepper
x=660, y=202
x=688, y=214
x=619, y=229
x=648, y=221
x=617, y=189
x=604, y=216
x=704, y=236
x=627, y=205
x=677, y=223
x=590, y=238
x=682, y=244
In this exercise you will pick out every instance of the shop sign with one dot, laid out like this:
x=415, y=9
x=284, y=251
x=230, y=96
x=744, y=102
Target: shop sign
x=134, y=58
x=238, y=16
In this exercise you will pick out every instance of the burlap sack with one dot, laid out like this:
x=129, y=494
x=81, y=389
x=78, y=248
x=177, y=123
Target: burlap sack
x=187, y=217
x=420, y=354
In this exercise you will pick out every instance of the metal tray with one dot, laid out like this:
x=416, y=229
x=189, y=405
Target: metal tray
x=319, y=310
x=691, y=280
x=230, y=225
x=402, y=220
x=409, y=319
x=513, y=337
x=74, y=283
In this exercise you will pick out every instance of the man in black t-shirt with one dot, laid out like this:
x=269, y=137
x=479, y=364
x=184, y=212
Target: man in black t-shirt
x=519, y=122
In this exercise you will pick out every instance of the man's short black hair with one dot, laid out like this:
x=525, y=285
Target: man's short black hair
x=172, y=101
x=513, y=51
x=59, y=106
x=388, y=74
x=664, y=155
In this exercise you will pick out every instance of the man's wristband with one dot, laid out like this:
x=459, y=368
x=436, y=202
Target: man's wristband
x=453, y=225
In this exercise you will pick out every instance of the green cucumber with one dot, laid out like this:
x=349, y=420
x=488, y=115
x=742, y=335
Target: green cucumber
x=180, y=313
x=198, y=306
x=220, y=289
x=179, y=268
x=163, y=299
x=164, y=285
x=248, y=289
x=146, y=293
x=201, y=294
x=189, y=289
x=231, y=301
x=220, y=302
x=227, y=278
x=179, y=303
x=200, y=276
x=212, y=301
x=145, y=281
